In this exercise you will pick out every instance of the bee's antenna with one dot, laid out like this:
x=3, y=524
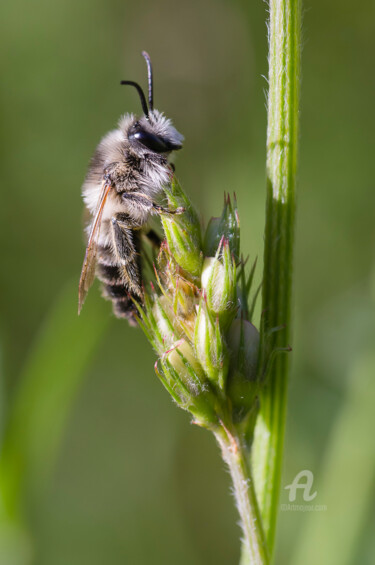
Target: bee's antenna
x=150, y=81
x=141, y=94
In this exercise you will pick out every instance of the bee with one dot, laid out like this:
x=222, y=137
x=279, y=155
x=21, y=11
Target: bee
x=126, y=176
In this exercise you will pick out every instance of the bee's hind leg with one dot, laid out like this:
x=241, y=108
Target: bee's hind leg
x=125, y=245
x=122, y=234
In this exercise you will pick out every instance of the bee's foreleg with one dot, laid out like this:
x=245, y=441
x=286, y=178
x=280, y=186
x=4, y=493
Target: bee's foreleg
x=145, y=202
x=162, y=210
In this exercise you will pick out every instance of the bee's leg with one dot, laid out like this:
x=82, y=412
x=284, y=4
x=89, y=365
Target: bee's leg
x=126, y=252
x=143, y=202
x=122, y=240
x=162, y=210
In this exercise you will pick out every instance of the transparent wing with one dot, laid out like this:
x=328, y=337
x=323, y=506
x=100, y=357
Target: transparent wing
x=89, y=262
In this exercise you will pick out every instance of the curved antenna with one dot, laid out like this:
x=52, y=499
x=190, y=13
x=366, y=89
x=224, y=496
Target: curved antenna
x=141, y=94
x=150, y=80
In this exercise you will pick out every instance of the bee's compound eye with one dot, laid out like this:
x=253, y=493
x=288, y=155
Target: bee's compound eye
x=149, y=140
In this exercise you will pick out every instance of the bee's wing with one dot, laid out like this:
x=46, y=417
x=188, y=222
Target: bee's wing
x=89, y=262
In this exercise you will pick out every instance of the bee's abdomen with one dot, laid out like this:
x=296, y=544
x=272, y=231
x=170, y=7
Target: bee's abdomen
x=114, y=286
x=108, y=274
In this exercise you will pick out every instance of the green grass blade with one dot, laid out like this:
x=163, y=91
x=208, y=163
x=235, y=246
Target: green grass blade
x=346, y=480
x=47, y=388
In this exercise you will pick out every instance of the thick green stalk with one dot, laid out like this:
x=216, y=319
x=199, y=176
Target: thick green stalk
x=282, y=137
x=236, y=458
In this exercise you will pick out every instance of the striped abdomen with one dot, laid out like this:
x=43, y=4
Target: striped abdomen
x=121, y=281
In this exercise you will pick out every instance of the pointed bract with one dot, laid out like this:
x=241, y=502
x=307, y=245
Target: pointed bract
x=227, y=226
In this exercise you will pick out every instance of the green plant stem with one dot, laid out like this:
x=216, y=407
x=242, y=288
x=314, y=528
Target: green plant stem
x=235, y=455
x=282, y=137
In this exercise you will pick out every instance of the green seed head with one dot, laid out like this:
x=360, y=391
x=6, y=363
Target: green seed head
x=196, y=321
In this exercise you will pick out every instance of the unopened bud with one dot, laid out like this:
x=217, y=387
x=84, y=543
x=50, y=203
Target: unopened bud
x=243, y=342
x=180, y=293
x=163, y=316
x=182, y=231
x=209, y=346
x=185, y=379
x=183, y=360
x=219, y=282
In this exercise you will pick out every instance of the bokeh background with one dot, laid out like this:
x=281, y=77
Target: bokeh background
x=99, y=466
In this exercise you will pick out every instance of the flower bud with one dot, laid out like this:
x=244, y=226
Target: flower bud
x=209, y=346
x=183, y=376
x=180, y=293
x=163, y=316
x=228, y=225
x=182, y=231
x=149, y=323
x=243, y=342
x=183, y=360
x=219, y=282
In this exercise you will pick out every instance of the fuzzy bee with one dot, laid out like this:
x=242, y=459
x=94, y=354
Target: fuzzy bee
x=125, y=178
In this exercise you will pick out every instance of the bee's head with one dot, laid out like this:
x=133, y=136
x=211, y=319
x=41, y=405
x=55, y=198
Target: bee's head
x=153, y=131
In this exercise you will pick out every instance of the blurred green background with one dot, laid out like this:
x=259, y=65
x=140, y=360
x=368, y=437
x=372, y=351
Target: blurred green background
x=99, y=466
